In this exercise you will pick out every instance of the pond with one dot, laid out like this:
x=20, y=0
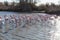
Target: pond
x=41, y=30
x=2, y=13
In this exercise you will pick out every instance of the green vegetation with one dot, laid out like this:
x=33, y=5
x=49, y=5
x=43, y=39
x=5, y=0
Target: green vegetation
x=21, y=7
x=6, y=3
x=28, y=7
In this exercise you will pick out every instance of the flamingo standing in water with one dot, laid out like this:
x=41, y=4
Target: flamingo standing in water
x=0, y=23
x=6, y=18
x=1, y=27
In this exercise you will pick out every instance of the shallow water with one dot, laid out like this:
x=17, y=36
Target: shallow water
x=39, y=31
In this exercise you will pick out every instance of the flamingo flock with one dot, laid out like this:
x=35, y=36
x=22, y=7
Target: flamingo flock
x=12, y=21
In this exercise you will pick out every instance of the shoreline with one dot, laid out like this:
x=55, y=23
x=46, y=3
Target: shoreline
x=29, y=12
x=54, y=13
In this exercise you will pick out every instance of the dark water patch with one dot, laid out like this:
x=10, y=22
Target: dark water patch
x=54, y=13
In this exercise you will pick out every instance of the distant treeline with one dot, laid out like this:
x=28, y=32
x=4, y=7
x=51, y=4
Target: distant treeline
x=50, y=8
x=29, y=7
x=20, y=7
